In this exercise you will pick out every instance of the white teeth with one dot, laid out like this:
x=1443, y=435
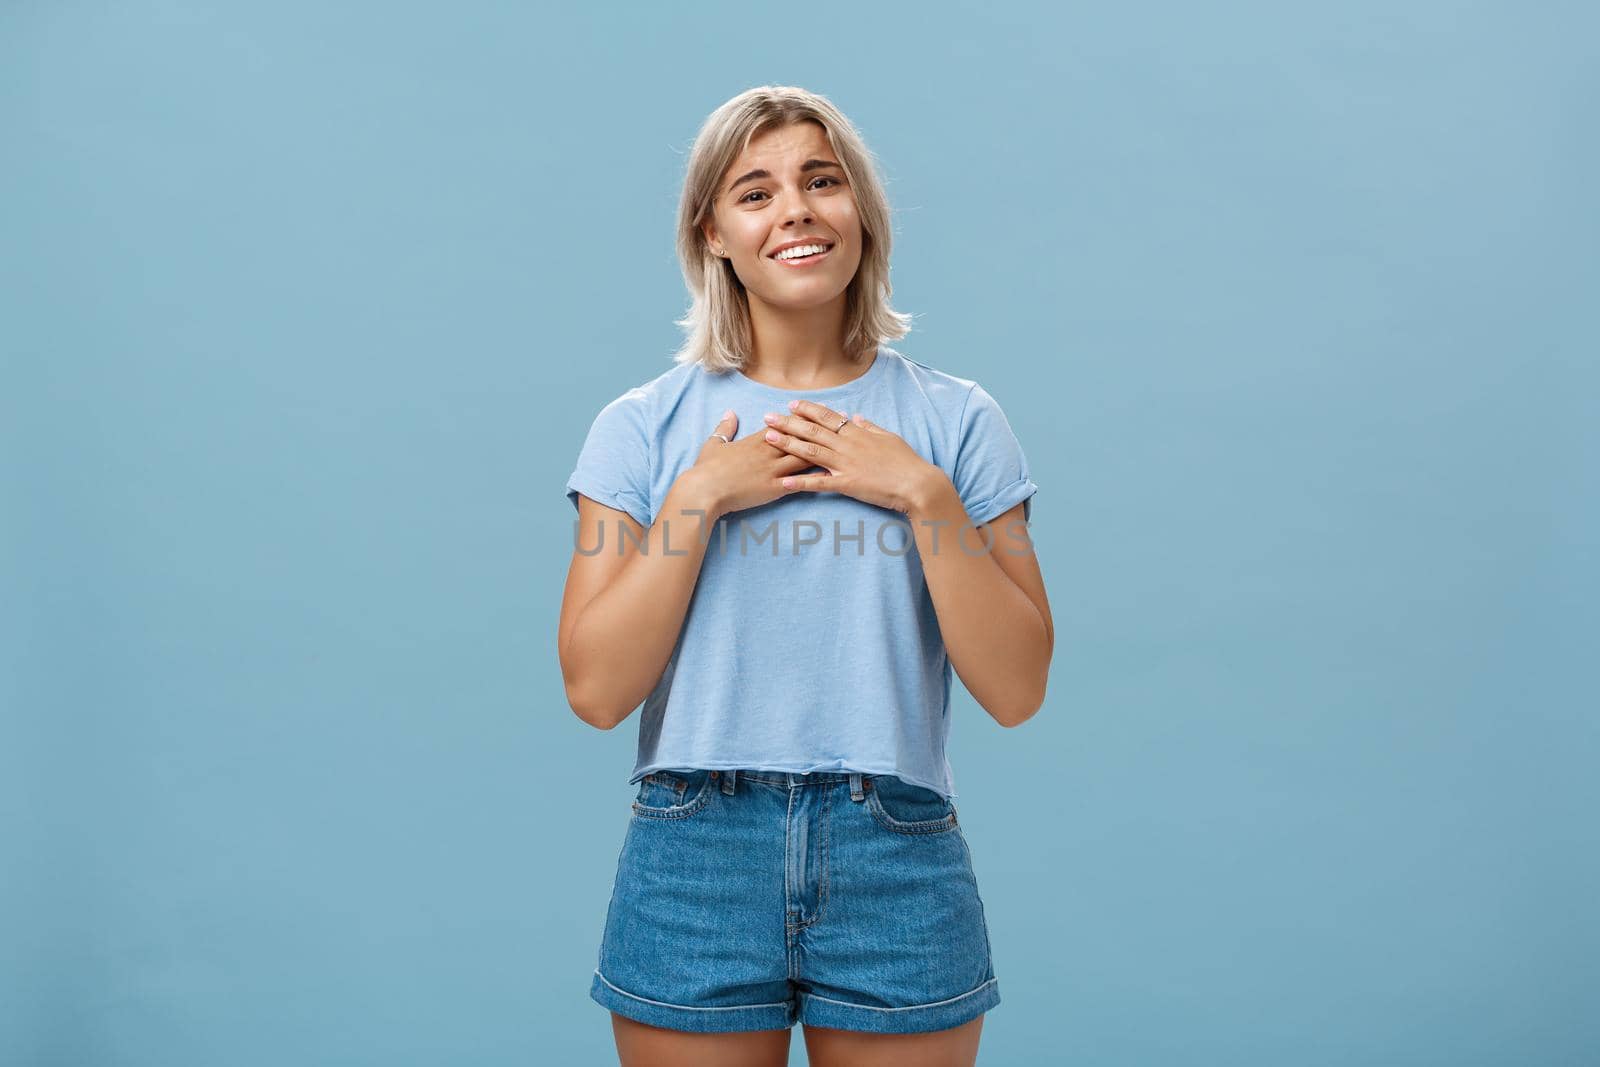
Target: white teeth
x=800, y=250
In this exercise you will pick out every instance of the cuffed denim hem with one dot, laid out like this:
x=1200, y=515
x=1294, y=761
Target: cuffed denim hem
x=916, y=1019
x=775, y=1016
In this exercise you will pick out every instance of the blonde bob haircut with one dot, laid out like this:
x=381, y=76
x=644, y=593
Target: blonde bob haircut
x=718, y=323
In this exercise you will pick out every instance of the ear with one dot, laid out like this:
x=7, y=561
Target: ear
x=708, y=229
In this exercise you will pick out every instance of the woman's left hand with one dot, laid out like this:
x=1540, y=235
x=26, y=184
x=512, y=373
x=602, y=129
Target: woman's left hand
x=863, y=460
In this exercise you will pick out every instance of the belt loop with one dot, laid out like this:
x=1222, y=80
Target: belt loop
x=727, y=781
x=856, y=792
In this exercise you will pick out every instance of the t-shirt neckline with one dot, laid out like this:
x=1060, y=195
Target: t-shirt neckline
x=878, y=359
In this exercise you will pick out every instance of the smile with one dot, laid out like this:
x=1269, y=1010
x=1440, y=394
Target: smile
x=804, y=261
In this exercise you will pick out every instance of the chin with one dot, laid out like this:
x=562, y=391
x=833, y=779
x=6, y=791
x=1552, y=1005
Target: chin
x=790, y=302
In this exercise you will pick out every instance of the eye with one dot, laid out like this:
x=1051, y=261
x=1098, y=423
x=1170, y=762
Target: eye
x=819, y=178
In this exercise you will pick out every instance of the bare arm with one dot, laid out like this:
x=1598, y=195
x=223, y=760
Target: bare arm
x=622, y=610
x=991, y=604
x=621, y=613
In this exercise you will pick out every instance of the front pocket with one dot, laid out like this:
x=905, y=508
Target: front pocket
x=674, y=794
x=906, y=808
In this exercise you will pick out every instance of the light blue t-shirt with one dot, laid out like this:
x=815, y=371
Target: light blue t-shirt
x=810, y=642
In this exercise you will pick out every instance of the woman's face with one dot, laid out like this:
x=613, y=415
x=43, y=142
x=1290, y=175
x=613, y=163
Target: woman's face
x=754, y=217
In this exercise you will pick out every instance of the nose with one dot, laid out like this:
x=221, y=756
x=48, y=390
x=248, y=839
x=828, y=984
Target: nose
x=799, y=214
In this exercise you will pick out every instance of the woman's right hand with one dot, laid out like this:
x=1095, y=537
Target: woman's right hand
x=742, y=472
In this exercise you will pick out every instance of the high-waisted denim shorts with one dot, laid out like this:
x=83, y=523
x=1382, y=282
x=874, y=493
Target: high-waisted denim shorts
x=752, y=900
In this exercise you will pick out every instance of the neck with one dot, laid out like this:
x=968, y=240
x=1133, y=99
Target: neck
x=801, y=349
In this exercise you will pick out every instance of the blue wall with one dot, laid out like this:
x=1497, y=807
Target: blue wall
x=304, y=313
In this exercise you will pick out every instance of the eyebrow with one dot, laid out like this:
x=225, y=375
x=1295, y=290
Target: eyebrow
x=808, y=165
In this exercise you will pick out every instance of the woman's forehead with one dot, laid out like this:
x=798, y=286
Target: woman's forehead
x=791, y=140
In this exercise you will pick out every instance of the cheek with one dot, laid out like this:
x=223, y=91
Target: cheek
x=746, y=224
x=846, y=220
x=847, y=224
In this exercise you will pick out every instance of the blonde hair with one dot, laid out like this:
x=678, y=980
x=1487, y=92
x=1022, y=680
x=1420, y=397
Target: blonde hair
x=718, y=322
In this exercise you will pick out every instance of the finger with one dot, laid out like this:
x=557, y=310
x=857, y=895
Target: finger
x=821, y=455
x=795, y=425
x=817, y=413
x=729, y=423
x=801, y=483
x=865, y=423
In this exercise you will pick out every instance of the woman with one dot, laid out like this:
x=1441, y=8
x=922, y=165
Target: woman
x=794, y=853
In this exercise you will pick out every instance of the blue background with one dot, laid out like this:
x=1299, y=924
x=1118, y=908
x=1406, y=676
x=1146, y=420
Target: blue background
x=305, y=312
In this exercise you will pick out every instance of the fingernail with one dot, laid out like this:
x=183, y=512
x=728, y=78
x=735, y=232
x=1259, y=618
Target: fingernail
x=770, y=417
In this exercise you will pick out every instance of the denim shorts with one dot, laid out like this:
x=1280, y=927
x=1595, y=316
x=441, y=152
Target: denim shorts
x=752, y=900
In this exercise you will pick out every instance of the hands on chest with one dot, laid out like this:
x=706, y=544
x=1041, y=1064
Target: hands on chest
x=862, y=460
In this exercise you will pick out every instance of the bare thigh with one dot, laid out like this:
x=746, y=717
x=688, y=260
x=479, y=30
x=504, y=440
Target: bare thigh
x=955, y=1047
x=642, y=1045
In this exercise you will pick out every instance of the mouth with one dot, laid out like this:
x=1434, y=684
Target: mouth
x=801, y=262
